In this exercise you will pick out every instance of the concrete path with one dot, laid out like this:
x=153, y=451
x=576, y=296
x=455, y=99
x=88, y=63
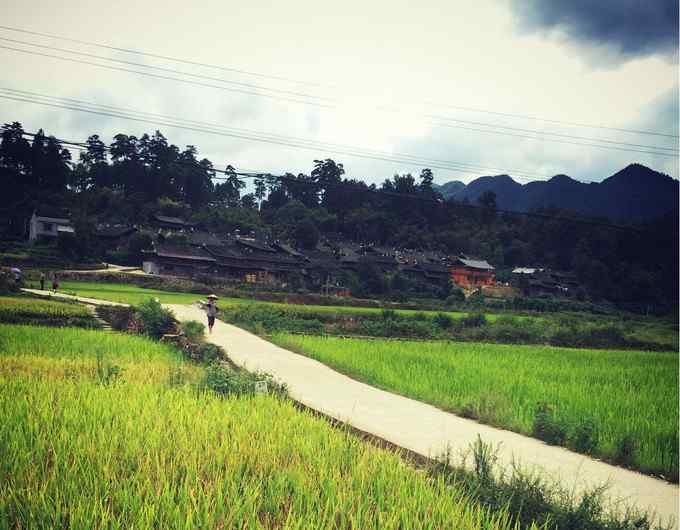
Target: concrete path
x=82, y=299
x=423, y=428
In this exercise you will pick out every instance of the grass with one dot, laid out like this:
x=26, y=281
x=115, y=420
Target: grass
x=647, y=329
x=629, y=397
x=125, y=293
x=27, y=310
x=144, y=450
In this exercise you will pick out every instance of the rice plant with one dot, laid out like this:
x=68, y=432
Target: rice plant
x=595, y=401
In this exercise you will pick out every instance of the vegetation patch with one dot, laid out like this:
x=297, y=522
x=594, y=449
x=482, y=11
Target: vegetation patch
x=21, y=309
x=618, y=405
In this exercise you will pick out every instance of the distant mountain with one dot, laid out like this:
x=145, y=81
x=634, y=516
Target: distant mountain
x=450, y=188
x=634, y=193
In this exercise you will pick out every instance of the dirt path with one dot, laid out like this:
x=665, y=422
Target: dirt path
x=425, y=429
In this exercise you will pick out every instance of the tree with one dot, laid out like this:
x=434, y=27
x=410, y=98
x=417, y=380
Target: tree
x=306, y=234
x=328, y=175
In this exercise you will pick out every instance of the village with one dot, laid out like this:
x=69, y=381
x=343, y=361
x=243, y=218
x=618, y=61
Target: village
x=181, y=248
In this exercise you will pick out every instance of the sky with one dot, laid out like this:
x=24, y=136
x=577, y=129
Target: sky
x=463, y=87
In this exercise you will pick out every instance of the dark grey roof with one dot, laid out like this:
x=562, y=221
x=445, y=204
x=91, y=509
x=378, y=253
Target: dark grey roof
x=204, y=238
x=183, y=252
x=172, y=220
x=114, y=231
x=255, y=245
x=476, y=264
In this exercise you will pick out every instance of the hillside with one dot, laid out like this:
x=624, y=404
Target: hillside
x=635, y=193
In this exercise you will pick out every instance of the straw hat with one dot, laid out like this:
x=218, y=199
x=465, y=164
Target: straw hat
x=212, y=297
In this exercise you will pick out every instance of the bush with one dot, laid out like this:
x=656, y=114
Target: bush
x=626, y=450
x=473, y=321
x=225, y=381
x=455, y=297
x=193, y=330
x=208, y=352
x=546, y=427
x=585, y=437
x=154, y=319
x=443, y=320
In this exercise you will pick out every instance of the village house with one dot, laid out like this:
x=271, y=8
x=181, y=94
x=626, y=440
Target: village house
x=471, y=272
x=166, y=222
x=48, y=225
x=178, y=260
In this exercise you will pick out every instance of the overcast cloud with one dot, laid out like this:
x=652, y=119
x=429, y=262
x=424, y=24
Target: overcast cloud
x=619, y=29
x=381, y=53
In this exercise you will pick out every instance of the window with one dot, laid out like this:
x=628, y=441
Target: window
x=251, y=278
x=47, y=227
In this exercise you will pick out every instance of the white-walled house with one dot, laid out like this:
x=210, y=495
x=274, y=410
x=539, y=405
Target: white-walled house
x=44, y=226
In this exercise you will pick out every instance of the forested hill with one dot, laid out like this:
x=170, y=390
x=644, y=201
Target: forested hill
x=634, y=193
x=130, y=180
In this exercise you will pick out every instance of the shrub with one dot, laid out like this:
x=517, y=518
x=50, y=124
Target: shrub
x=456, y=296
x=626, y=450
x=473, y=321
x=585, y=437
x=546, y=427
x=223, y=380
x=193, y=330
x=208, y=352
x=443, y=320
x=155, y=320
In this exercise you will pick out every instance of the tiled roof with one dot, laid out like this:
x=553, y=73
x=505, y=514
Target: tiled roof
x=183, y=252
x=476, y=264
x=255, y=245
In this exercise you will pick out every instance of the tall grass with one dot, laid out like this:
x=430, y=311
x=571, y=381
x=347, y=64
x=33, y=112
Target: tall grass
x=621, y=405
x=24, y=309
x=152, y=452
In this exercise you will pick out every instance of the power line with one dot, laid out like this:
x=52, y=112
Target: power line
x=326, y=145
x=163, y=69
x=436, y=122
x=309, y=145
x=611, y=147
x=311, y=83
x=546, y=136
x=165, y=77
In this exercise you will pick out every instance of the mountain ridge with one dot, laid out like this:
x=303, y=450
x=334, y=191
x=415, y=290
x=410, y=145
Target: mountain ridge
x=634, y=193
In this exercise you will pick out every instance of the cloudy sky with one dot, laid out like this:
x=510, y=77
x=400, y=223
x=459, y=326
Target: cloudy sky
x=524, y=87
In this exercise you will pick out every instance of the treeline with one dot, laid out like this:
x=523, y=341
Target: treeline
x=132, y=178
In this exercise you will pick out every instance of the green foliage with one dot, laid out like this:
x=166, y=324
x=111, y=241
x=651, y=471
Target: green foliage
x=443, y=320
x=585, y=437
x=473, y=321
x=193, y=330
x=155, y=320
x=532, y=499
x=225, y=381
x=546, y=427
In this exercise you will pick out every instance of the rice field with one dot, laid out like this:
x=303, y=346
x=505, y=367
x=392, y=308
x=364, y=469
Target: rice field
x=629, y=397
x=26, y=309
x=149, y=450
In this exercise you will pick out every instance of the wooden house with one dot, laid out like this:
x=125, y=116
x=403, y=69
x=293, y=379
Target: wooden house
x=471, y=272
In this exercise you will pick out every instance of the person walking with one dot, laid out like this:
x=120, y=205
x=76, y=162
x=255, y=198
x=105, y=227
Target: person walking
x=42, y=280
x=211, y=311
x=55, y=282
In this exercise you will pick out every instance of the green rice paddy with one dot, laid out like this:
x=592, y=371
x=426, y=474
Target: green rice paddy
x=149, y=450
x=629, y=397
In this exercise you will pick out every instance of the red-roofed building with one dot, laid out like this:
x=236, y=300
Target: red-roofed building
x=472, y=273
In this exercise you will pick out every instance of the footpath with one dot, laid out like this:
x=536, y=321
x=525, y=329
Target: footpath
x=428, y=430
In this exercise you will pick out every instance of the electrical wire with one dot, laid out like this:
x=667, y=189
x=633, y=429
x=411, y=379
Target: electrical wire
x=312, y=83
